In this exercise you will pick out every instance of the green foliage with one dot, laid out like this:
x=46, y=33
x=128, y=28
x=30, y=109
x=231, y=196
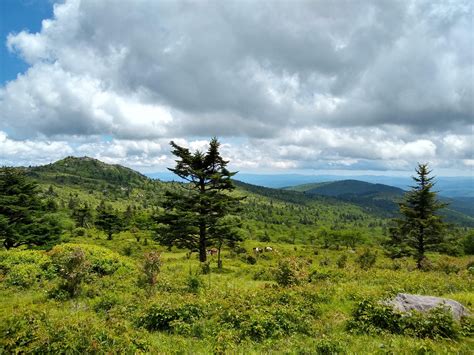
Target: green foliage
x=41, y=332
x=194, y=283
x=291, y=272
x=151, y=267
x=420, y=229
x=373, y=317
x=102, y=260
x=329, y=347
x=23, y=268
x=250, y=259
x=341, y=261
x=73, y=267
x=24, y=218
x=23, y=275
x=165, y=317
x=367, y=259
x=194, y=218
x=108, y=220
x=468, y=243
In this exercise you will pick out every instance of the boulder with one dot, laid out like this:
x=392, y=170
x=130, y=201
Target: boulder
x=405, y=302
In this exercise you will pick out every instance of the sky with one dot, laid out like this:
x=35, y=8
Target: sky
x=287, y=86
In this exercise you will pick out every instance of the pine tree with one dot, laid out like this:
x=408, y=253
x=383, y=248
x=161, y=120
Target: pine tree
x=419, y=229
x=24, y=219
x=83, y=215
x=108, y=220
x=194, y=216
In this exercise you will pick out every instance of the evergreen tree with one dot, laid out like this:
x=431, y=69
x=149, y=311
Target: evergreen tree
x=108, y=220
x=194, y=217
x=83, y=216
x=419, y=229
x=24, y=219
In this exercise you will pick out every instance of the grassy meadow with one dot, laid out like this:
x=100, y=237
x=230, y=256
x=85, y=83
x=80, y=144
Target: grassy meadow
x=240, y=308
x=317, y=292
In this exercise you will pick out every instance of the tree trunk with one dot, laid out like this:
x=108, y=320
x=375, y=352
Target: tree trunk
x=202, y=225
x=421, y=250
x=202, y=243
x=219, y=260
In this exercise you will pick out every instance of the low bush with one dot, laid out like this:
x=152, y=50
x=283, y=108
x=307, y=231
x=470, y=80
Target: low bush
x=448, y=267
x=23, y=275
x=342, y=261
x=367, y=259
x=41, y=332
x=290, y=272
x=375, y=317
x=72, y=267
x=164, y=317
x=102, y=261
x=329, y=347
x=194, y=283
x=250, y=259
x=151, y=267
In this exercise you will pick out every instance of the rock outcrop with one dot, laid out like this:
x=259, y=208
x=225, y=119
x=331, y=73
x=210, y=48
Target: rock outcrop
x=405, y=302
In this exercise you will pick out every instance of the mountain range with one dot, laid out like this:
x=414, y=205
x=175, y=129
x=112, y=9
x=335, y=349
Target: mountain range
x=379, y=200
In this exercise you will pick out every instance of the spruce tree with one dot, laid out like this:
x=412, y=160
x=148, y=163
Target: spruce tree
x=24, y=219
x=83, y=216
x=108, y=220
x=195, y=214
x=420, y=228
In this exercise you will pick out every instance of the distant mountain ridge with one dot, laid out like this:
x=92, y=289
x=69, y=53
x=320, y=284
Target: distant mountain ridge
x=383, y=199
x=74, y=169
x=377, y=199
x=462, y=186
x=347, y=187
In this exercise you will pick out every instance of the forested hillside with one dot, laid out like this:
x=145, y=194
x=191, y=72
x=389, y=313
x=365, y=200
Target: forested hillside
x=383, y=200
x=305, y=271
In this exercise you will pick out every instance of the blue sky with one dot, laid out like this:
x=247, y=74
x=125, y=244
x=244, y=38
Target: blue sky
x=288, y=86
x=18, y=15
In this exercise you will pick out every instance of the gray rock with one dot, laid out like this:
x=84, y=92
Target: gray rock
x=405, y=302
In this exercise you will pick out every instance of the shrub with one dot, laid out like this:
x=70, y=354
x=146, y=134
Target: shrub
x=205, y=268
x=290, y=272
x=448, y=268
x=264, y=274
x=325, y=261
x=105, y=303
x=51, y=332
x=470, y=267
x=151, y=267
x=103, y=261
x=162, y=317
x=194, y=283
x=367, y=259
x=468, y=244
x=12, y=258
x=342, y=261
x=23, y=275
x=329, y=347
x=127, y=250
x=250, y=259
x=73, y=267
x=426, y=264
x=372, y=317
x=79, y=232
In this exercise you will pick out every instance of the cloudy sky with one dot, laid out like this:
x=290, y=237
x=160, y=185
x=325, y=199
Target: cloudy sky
x=287, y=86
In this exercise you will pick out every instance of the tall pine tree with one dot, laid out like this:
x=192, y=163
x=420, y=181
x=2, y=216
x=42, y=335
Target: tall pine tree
x=24, y=219
x=420, y=229
x=195, y=215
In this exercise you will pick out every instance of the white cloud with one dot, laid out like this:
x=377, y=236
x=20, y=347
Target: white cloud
x=299, y=84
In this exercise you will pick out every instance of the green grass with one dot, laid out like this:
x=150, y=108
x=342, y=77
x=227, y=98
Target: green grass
x=315, y=312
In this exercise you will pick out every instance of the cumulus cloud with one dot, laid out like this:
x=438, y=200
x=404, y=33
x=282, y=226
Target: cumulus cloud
x=290, y=84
